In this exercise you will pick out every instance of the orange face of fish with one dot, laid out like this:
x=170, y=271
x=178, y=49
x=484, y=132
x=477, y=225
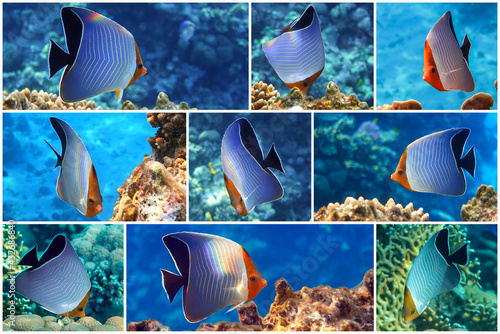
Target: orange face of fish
x=431, y=74
x=255, y=280
x=409, y=309
x=140, y=70
x=304, y=85
x=235, y=196
x=94, y=200
x=79, y=311
x=400, y=173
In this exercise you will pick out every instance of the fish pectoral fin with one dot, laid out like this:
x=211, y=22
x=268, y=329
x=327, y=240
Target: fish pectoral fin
x=119, y=94
x=235, y=306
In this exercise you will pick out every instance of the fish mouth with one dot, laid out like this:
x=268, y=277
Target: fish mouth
x=264, y=282
x=393, y=176
x=99, y=208
x=424, y=77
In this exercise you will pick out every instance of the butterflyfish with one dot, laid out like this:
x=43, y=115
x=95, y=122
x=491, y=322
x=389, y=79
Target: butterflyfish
x=215, y=272
x=434, y=163
x=298, y=54
x=446, y=64
x=248, y=180
x=58, y=282
x=77, y=183
x=102, y=56
x=432, y=273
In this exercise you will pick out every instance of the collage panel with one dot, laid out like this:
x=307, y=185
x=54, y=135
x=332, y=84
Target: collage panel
x=405, y=166
x=96, y=166
x=321, y=59
x=153, y=55
x=250, y=166
x=437, y=56
x=67, y=277
x=295, y=277
x=437, y=277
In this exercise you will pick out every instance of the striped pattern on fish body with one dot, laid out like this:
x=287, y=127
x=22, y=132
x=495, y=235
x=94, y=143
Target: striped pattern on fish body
x=248, y=180
x=105, y=58
x=433, y=163
x=445, y=62
x=77, y=183
x=60, y=284
x=298, y=55
x=215, y=272
x=432, y=273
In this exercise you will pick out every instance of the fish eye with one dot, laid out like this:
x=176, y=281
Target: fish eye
x=140, y=66
x=400, y=172
x=80, y=309
x=253, y=278
x=305, y=84
x=433, y=70
x=91, y=201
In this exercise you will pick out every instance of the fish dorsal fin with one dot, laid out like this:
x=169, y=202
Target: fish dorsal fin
x=73, y=30
x=458, y=142
x=119, y=94
x=442, y=245
x=465, y=48
x=450, y=23
x=56, y=248
x=273, y=160
x=171, y=283
x=57, y=58
x=468, y=162
x=461, y=256
x=59, y=157
x=249, y=139
x=30, y=258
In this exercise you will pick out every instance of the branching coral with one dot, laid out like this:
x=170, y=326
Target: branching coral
x=263, y=95
x=34, y=100
x=397, y=248
x=483, y=207
x=369, y=210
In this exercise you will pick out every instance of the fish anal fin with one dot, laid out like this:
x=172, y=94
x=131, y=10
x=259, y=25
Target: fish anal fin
x=57, y=58
x=119, y=94
x=30, y=258
x=465, y=48
x=273, y=160
x=171, y=283
x=59, y=157
x=461, y=256
x=468, y=162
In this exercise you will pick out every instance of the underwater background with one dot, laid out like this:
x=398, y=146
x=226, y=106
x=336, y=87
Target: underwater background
x=355, y=155
x=291, y=134
x=286, y=251
x=401, y=32
x=116, y=142
x=347, y=31
x=100, y=247
x=209, y=70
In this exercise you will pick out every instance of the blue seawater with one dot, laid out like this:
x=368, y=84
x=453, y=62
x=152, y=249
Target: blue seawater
x=355, y=164
x=401, y=32
x=305, y=255
x=116, y=143
x=347, y=31
x=210, y=71
x=291, y=135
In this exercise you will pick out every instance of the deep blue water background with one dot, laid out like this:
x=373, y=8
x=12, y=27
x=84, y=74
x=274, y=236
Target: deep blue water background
x=277, y=251
x=370, y=182
x=116, y=144
x=401, y=32
x=211, y=72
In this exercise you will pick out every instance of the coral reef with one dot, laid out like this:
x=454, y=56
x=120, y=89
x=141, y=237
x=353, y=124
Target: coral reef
x=156, y=188
x=333, y=100
x=162, y=103
x=263, y=95
x=369, y=210
x=321, y=308
x=397, y=248
x=483, y=207
x=480, y=101
x=148, y=325
x=40, y=100
x=402, y=105
x=33, y=322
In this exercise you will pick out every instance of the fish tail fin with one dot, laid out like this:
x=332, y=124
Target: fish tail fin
x=30, y=258
x=119, y=94
x=461, y=256
x=273, y=160
x=468, y=162
x=171, y=283
x=59, y=157
x=465, y=48
x=57, y=58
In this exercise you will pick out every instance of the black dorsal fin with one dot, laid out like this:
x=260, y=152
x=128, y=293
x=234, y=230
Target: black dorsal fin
x=442, y=244
x=55, y=248
x=461, y=256
x=59, y=157
x=273, y=160
x=57, y=58
x=30, y=258
x=171, y=283
x=468, y=162
x=466, y=48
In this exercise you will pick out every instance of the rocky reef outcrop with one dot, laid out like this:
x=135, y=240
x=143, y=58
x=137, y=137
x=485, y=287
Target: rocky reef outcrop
x=483, y=207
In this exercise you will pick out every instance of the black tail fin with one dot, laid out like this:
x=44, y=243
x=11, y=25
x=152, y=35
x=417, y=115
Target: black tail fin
x=468, y=162
x=461, y=256
x=57, y=58
x=171, y=283
x=30, y=258
x=273, y=160
x=59, y=157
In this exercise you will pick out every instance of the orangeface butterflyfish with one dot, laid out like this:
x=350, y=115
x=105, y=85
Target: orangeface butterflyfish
x=77, y=183
x=102, y=56
x=216, y=272
x=446, y=64
x=433, y=164
x=432, y=273
x=298, y=54
x=58, y=281
x=248, y=180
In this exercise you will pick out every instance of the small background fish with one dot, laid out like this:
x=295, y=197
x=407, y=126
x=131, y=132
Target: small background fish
x=400, y=54
x=186, y=31
x=350, y=243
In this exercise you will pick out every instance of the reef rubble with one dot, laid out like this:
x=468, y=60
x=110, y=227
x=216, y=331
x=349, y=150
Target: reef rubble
x=483, y=207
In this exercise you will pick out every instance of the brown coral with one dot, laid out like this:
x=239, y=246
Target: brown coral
x=171, y=135
x=88, y=322
x=480, y=101
x=105, y=328
x=402, y=105
x=483, y=207
x=28, y=322
x=369, y=210
x=162, y=103
x=262, y=95
x=34, y=100
x=149, y=325
x=116, y=321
